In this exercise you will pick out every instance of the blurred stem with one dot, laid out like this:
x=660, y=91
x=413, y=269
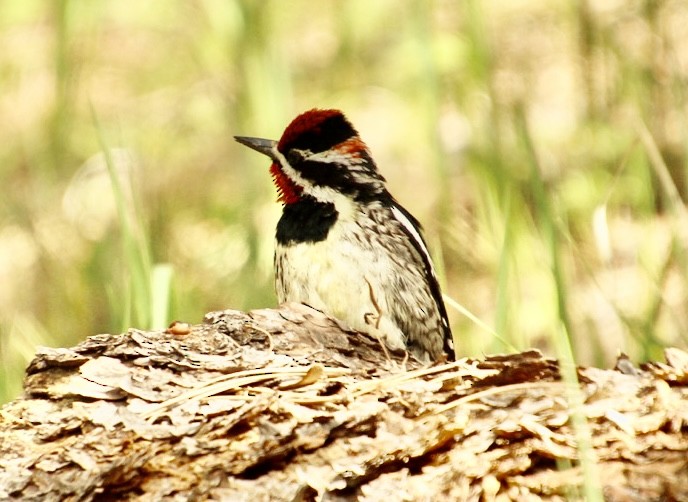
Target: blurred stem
x=562, y=338
x=59, y=125
x=502, y=310
x=160, y=290
x=592, y=486
x=264, y=103
x=482, y=68
x=586, y=44
x=138, y=274
x=544, y=216
x=429, y=86
x=676, y=205
x=678, y=257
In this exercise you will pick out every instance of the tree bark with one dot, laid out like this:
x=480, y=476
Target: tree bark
x=288, y=404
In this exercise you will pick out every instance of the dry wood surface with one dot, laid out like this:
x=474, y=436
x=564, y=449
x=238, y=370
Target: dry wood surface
x=288, y=404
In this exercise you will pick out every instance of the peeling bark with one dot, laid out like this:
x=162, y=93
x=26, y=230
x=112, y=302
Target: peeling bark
x=288, y=404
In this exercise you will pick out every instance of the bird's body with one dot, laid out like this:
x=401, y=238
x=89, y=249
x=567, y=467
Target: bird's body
x=344, y=245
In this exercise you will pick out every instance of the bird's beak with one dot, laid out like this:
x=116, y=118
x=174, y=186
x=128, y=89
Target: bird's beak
x=264, y=146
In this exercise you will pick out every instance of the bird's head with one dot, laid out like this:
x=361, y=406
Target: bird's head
x=320, y=155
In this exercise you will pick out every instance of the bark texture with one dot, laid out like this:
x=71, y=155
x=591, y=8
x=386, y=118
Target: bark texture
x=287, y=404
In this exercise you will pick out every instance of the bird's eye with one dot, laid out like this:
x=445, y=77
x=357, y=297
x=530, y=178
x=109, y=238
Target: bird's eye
x=295, y=156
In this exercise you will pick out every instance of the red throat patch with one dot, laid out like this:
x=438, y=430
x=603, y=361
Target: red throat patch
x=288, y=192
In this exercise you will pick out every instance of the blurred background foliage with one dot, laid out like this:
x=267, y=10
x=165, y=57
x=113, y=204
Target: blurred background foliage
x=542, y=144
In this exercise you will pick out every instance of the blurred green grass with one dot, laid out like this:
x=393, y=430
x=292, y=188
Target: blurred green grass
x=543, y=146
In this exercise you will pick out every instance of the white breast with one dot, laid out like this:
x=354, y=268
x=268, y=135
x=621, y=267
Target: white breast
x=340, y=277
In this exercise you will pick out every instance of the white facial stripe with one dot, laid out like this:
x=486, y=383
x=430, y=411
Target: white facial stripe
x=334, y=156
x=325, y=193
x=290, y=171
x=321, y=193
x=413, y=231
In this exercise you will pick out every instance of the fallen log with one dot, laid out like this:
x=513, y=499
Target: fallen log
x=288, y=404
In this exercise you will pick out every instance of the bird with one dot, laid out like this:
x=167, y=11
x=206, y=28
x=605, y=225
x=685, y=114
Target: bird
x=344, y=245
